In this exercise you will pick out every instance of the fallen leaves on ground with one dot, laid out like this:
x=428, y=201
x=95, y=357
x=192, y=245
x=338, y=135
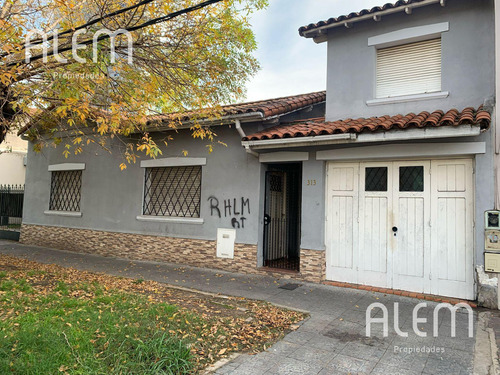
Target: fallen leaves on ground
x=229, y=325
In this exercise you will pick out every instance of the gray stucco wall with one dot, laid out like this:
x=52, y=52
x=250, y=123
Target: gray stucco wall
x=112, y=199
x=468, y=63
x=468, y=72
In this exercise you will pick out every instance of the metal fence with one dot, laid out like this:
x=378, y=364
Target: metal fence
x=11, y=210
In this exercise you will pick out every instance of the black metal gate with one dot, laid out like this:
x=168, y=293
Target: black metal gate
x=282, y=216
x=11, y=211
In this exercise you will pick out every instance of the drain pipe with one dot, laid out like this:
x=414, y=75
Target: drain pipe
x=237, y=123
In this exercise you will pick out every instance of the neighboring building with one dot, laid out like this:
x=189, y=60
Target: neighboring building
x=13, y=153
x=362, y=194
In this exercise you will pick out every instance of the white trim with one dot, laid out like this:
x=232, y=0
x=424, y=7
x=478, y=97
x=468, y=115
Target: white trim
x=408, y=98
x=368, y=137
x=278, y=157
x=409, y=150
x=420, y=133
x=300, y=141
x=173, y=162
x=314, y=33
x=67, y=167
x=409, y=35
x=63, y=213
x=168, y=219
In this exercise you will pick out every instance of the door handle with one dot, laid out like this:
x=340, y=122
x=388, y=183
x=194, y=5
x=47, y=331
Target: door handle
x=395, y=230
x=267, y=219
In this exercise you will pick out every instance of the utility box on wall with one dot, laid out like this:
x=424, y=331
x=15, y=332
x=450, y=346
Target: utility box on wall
x=492, y=262
x=492, y=231
x=225, y=243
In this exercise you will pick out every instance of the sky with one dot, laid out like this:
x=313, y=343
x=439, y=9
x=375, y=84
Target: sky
x=291, y=64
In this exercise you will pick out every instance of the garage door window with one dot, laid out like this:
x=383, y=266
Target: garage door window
x=376, y=179
x=411, y=179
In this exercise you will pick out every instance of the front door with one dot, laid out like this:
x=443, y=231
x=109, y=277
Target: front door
x=282, y=217
x=403, y=225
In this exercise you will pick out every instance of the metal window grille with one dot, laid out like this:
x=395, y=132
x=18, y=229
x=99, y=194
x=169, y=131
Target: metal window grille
x=173, y=191
x=65, y=191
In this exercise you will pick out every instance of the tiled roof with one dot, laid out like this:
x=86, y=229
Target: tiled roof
x=350, y=16
x=268, y=108
x=318, y=126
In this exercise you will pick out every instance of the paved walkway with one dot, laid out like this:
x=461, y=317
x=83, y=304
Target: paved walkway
x=331, y=341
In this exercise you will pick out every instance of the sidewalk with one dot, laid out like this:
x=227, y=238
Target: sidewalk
x=331, y=341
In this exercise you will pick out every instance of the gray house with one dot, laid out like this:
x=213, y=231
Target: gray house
x=383, y=181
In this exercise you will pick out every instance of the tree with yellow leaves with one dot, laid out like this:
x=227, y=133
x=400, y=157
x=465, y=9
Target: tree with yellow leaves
x=78, y=72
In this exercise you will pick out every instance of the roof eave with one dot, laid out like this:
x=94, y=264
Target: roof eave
x=458, y=131
x=320, y=34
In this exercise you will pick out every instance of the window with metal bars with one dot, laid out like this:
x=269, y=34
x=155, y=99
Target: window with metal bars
x=172, y=191
x=65, y=191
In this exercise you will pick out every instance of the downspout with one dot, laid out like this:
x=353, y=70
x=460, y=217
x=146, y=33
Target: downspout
x=496, y=119
x=496, y=111
x=237, y=123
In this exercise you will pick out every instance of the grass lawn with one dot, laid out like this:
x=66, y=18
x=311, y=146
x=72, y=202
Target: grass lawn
x=56, y=320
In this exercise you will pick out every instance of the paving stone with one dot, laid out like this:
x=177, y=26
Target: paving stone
x=327, y=343
x=289, y=366
x=343, y=364
x=460, y=357
x=437, y=366
x=361, y=350
x=384, y=369
x=299, y=337
x=313, y=355
x=405, y=360
x=283, y=348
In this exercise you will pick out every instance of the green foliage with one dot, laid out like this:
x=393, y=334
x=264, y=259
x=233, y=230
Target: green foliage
x=118, y=333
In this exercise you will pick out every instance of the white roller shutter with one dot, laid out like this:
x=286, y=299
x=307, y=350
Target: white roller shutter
x=413, y=68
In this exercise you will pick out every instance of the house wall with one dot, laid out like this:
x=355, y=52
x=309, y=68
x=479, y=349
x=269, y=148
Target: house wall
x=468, y=60
x=468, y=63
x=12, y=160
x=112, y=199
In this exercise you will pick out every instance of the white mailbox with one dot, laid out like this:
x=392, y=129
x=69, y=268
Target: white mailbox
x=225, y=243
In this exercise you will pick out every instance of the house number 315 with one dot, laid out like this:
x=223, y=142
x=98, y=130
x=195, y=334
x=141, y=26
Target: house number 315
x=311, y=182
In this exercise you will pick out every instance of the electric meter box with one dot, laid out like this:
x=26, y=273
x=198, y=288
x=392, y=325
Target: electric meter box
x=492, y=220
x=492, y=262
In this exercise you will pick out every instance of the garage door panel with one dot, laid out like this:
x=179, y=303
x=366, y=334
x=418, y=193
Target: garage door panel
x=451, y=177
x=411, y=237
x=342, y=231
x=404, y=225
x=374, y=234
x=452, y=233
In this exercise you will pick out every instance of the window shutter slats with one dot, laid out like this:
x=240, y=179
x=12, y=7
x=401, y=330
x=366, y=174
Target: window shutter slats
x=409, y=69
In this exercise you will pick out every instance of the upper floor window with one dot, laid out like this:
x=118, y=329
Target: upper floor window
x=65, y=190
x=409, y=69
x=173, y=191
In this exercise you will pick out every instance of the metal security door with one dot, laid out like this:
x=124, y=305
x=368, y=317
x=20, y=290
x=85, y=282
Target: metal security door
x=276, y=244
x=282, y=216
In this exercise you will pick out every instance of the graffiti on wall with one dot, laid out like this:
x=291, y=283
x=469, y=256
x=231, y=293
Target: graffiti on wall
x=234, y=209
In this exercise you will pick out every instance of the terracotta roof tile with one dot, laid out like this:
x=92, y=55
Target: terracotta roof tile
x=353, y=15
x=268, y=108
x=318, y=126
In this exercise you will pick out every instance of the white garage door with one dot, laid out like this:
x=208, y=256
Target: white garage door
x=404, y=225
